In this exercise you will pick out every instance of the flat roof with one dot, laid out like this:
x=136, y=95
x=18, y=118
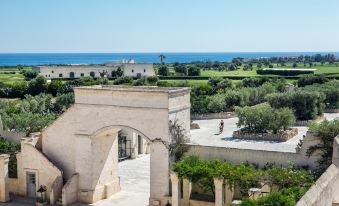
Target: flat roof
x=135, y=88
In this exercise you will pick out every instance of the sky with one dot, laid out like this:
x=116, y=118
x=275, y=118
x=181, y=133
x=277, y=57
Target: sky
x=38, y=26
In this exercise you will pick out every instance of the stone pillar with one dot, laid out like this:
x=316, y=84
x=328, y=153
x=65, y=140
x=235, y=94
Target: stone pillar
x=4, y=192
x=335, y=159
x=187, y=188
x=228, y=194
x=219, y=191
x=175, y=190
x=159, y=173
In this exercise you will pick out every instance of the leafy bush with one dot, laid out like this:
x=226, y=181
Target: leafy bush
x=63, y=101
x=37, y=86
x=272, y=199
x=263, y=118
x=329, y=89
x=312, y=79
x=163, y=70
x=29, y=74
x=193, y=71
x=7, y=147
x=243, y=176
x=327, y=131
x=55, y=87
x=181, y=69
x=123, y=80
x=306, y=105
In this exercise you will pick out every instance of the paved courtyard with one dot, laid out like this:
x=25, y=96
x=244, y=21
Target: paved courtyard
x=135, y=184
x=207, y=136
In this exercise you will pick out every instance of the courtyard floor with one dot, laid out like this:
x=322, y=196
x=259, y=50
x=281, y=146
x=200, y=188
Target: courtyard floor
x=135, y=184
x=207, y=136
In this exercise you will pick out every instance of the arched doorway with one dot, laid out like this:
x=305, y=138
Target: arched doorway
x=84, y=140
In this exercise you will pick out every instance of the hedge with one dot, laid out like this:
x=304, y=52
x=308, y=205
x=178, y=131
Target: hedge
x=284, y=72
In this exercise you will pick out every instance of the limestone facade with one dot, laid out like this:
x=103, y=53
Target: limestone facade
x=78, y=71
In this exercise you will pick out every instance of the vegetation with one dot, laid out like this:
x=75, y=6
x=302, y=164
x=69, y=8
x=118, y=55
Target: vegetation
x=263, y=118
x=327, y=131
x=284, y=72
x=31, y=114
x=329, y=89
x=312, y=79
x=179, y=140
x=306, y=105
x=244, y=176
x=7, y=147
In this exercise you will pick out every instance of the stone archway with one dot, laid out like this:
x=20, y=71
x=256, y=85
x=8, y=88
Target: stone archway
x=81, y=139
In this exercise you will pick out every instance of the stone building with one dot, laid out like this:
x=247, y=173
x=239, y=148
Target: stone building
x=108, y=70
x=76, y=158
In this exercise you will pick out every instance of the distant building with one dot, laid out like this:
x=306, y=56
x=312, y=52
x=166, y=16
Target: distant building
x=109, y=70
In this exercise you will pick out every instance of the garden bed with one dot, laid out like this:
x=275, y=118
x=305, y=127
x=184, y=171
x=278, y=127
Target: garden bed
x=282, y=136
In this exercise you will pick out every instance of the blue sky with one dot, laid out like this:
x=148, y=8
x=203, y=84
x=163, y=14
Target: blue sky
x=168, y=26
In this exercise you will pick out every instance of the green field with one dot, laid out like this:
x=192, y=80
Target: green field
x=10, y=78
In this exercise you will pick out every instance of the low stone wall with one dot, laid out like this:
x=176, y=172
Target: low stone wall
x=332, y=110
x=304, y=123
x=221, y=115
x=261, y=157
x=279, y=137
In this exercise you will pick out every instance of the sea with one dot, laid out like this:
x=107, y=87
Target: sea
x=34, y=59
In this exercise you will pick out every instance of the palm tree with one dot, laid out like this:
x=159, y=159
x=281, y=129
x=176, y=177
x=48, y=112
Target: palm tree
x=162, y=57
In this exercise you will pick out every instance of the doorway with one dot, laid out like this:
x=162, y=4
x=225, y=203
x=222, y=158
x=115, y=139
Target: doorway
x=31, y=184
x=140, y=145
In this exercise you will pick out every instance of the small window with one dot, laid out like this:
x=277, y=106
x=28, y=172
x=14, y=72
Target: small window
x=46, y=75
x=52, y=71
x=132, y=70
x=71, y=75
x=82, y=74
x=92, y=74
x=144, y=70
x=49, y=75
x=60, y=75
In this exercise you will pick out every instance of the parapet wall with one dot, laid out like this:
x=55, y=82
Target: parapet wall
x=261, y=157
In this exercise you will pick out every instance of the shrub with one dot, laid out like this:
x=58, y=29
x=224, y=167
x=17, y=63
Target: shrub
x=123, y=80
x=329, y=89
x=7, y=147
x=163, y=70
x=263, y=118
x=216, y=103
x=193, y=71
x=327, y=131
x=181, y=69
x=312, y=79
x=54, y=87
x=29, y=74
x=37, y=86
x=152, y=80
x=63, y=101
x=306, y=105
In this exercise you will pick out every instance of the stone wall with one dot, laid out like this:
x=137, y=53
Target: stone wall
x=221, y=115
x=30, y=159
x=260, y=157
x=325, y=191
x=70, y=190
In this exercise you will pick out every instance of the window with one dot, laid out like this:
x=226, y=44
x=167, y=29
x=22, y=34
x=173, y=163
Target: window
x=132, y=70
x=60, y=75
x=144, y=70
x=52, y=71
x=71, y=75
x=82, y=74
x=92, y=74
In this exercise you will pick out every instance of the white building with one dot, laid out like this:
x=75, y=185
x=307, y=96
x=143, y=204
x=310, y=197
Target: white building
x=107, y=70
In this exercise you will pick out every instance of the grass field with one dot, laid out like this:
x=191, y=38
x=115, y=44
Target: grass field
x=10, y=78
